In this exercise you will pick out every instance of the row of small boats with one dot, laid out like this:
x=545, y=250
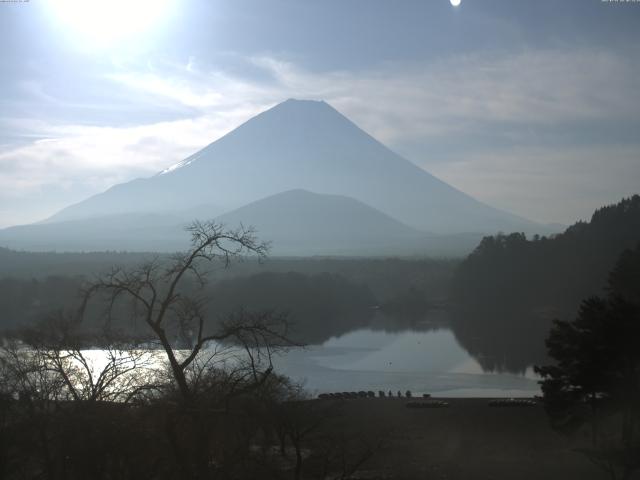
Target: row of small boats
x=368, y=394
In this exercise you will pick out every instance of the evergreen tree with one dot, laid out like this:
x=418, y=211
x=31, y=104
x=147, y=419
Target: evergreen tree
x=596, y=378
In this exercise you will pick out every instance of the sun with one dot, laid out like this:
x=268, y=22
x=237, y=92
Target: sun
x=455, y=3
x=108, y=22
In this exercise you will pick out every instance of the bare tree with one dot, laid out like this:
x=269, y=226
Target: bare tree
x=58, y=379
x=210, y=360
x=84, y=365
x=177, y=318
x=77, y=375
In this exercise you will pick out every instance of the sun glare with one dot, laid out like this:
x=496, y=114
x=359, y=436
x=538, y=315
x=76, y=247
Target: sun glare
x=108, y=22
x=455, y=3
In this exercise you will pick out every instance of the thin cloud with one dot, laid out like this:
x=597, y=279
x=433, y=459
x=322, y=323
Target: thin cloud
x=549, y=184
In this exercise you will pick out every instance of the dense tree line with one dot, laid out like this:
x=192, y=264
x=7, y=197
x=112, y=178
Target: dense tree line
x=593, y=386
x=319, y=305
x=325, y=296
x=26, y=301
x=22, y=264
x=508, y=291
x=386, y=277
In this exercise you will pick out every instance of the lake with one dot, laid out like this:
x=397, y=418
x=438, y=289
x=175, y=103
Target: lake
x=423, y=358
x=429, y=361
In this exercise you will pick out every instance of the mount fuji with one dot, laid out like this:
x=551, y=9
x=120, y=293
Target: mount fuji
x=296, y=145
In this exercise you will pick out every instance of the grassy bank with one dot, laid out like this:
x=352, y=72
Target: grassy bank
x=466, y=440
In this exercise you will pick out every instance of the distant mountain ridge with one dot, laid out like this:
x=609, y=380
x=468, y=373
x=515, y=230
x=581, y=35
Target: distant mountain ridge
x=296, y=223
x=301, y=144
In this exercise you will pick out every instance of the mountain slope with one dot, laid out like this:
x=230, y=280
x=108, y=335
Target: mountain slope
x=302, y=145
x=298, y=222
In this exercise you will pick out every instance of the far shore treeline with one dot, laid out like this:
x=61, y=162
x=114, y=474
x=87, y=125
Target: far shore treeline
x=323, y=296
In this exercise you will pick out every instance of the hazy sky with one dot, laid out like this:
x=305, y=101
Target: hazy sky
x=531, y=106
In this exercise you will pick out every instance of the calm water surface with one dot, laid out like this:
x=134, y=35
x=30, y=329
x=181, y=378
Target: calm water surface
x=420, y=361
x=423, y=361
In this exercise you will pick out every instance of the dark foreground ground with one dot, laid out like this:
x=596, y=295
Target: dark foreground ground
x=466, y=440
